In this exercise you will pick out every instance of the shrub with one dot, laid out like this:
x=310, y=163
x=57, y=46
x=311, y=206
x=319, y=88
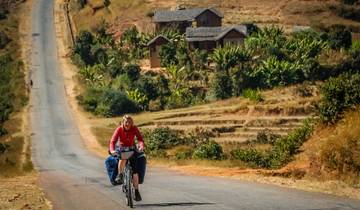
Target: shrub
x=282, y=151
x=251, y=156
x=148, y=86
x=285, y=147
x=115, y=103
x=133, y=71
x=355, y=46
x=198, y=136
x=210, y=151
x=122, y=82
x=339, y=37
x=162, y=138
x=178, y=98
x=266, y=137
x=90, y=99
x=253, y=95
x=221, y=85
x=339, y=94
x=4, y=40
x=82, y=47
x=167, y=55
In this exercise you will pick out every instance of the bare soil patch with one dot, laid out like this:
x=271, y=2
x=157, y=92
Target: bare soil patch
x=22, y=192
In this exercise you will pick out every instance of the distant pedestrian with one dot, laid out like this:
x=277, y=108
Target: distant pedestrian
x=31, y=83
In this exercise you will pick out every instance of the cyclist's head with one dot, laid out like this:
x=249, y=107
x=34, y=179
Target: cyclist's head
x=127, y=121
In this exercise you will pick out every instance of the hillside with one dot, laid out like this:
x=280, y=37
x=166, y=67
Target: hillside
x=285, y=13
x=267, y=132
x=232, y=120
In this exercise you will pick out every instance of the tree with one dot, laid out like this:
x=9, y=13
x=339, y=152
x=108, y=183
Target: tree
x=339, y=36
x=167, y=55
x=82, y=47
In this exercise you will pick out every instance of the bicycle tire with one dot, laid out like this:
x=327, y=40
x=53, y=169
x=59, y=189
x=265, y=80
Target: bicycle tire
x=129, y=186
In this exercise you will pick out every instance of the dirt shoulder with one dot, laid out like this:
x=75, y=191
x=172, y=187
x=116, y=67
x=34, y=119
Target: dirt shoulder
x=69, y=74
x=22, y=192
x=333, y=187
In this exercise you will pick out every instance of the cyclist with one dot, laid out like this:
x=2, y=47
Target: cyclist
x=125, y=135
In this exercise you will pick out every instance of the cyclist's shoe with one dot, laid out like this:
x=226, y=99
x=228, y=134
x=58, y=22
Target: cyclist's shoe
x=119, y=179
x=137, y=196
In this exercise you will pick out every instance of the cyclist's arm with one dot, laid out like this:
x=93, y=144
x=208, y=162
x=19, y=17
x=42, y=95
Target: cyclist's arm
x=139, y=139
x=114, y=139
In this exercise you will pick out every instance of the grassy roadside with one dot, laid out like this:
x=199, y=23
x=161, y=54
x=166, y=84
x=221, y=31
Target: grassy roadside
x=18, y=179
x=16, y=95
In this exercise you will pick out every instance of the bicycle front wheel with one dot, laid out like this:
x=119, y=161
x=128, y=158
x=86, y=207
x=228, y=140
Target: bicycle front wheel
x=129, y=193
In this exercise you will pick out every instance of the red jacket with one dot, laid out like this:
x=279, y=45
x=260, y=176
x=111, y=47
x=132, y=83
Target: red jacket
x=126, y=138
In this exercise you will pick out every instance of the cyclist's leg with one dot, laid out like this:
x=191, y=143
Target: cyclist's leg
x=121, y=165
x=136, y=181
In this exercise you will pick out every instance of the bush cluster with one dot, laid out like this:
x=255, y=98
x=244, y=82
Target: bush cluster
x=107, y=102
x=282, y=151
x=339, y=94
x=196, y=144
x=160, y=139
x=210, y=151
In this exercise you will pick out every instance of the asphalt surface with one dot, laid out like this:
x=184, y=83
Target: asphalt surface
x=73, y=178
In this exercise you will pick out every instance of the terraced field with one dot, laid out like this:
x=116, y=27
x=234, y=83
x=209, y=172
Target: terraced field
x=239, y=120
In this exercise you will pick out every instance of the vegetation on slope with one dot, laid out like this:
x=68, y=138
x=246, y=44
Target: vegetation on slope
x=13, y=97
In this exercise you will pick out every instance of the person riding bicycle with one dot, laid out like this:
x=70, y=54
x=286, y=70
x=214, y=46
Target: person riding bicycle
x=125, y=135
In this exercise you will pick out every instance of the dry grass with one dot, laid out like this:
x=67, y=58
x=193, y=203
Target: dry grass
x=285, y=13
x=331, y=154
x=340, y=154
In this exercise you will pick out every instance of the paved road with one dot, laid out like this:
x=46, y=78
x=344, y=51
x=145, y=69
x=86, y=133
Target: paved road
x=75, y=179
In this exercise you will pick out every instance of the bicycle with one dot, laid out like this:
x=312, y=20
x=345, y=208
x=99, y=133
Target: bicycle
x=127, y=153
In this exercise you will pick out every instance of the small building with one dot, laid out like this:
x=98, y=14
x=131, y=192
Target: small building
x=184, y=18
x=154, y=48
x=208, y=38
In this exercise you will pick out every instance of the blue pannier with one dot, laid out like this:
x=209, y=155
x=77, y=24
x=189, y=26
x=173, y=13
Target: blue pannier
x=111, y=164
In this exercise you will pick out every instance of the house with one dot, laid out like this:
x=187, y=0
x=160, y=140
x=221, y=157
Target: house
x=184, y=18
x=208, y=38
x=154, y=48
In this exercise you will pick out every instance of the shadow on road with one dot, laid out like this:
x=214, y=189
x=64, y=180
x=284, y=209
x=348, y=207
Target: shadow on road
x=172, y=204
